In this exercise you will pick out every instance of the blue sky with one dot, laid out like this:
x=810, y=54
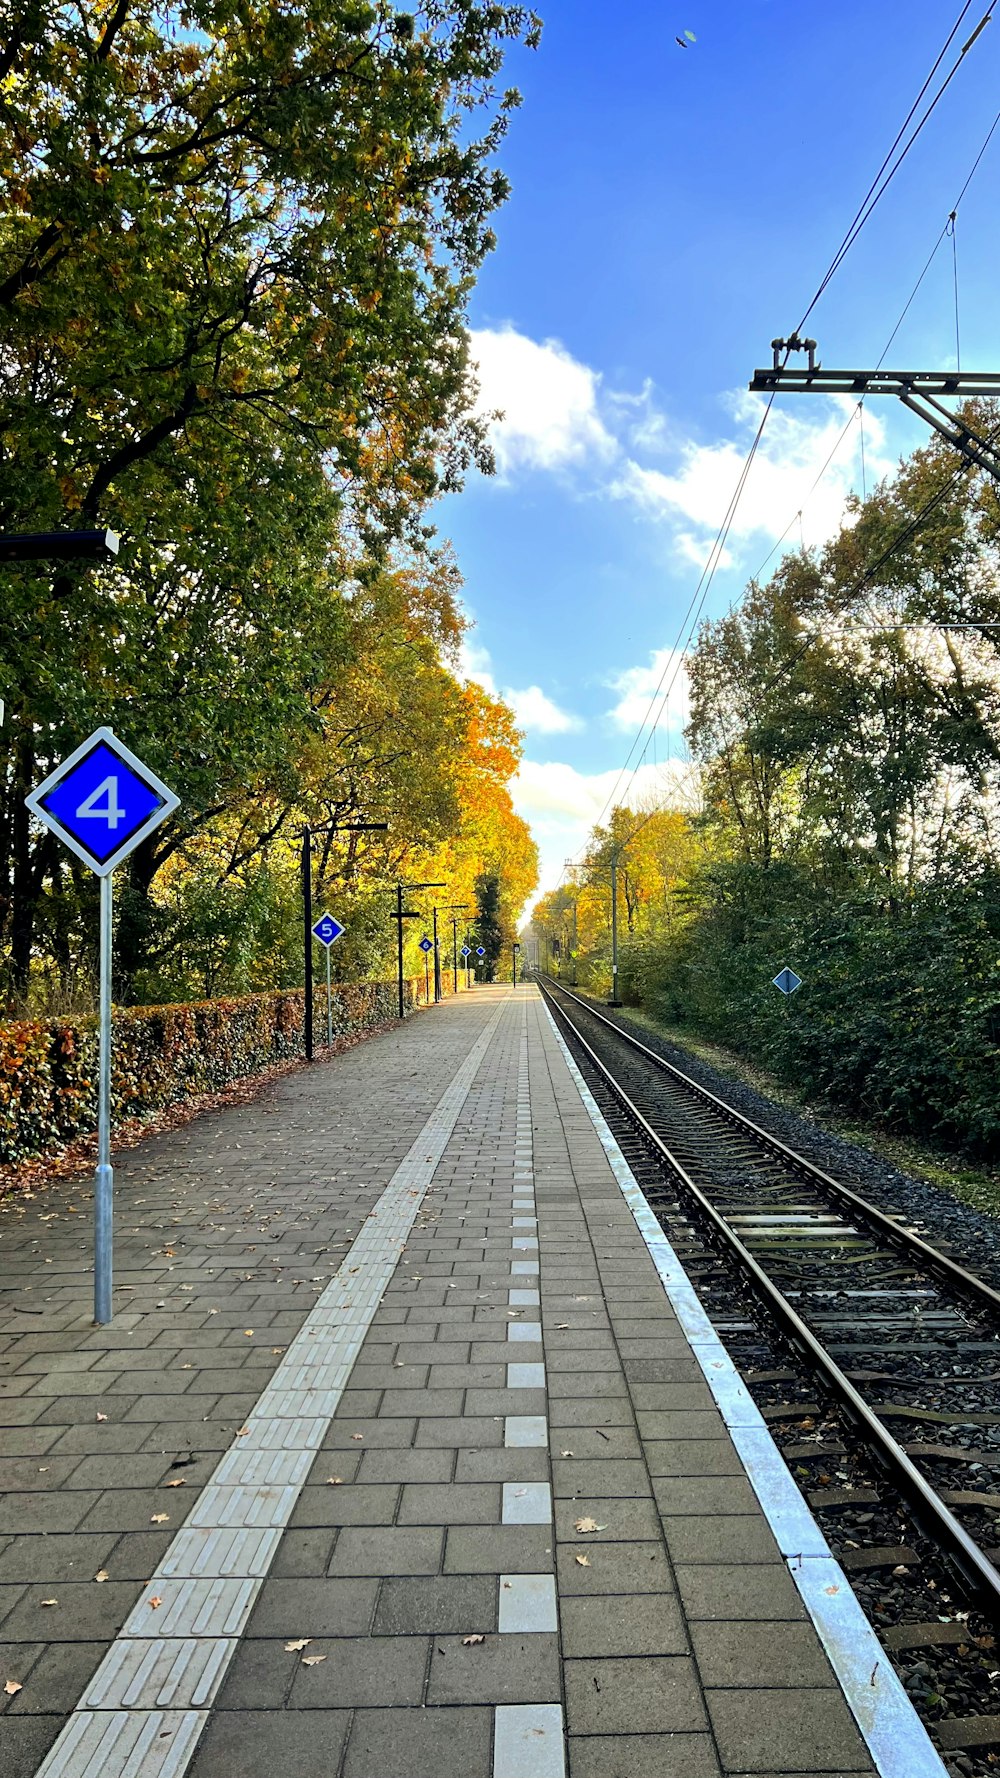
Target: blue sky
x=672, y=211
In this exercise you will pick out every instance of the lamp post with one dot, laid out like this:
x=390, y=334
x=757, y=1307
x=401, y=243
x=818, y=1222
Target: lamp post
x=455, y=908
x=437, y=959
x=58, y=546
x=513, y=960
x=306, y=835
x=399, y=916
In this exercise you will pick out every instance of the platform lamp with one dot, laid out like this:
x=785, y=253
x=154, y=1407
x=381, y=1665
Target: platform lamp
x=400, y=914
x=306, y=835
x=57, y=546
x=454, y=908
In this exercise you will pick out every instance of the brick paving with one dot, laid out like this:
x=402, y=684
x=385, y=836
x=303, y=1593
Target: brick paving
x=522, y=1378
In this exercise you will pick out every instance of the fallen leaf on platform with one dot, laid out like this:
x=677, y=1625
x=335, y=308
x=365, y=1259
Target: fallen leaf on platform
x=467, y=1641
x=102, y=1416
x=248, y=1333
x=160, y=1519
x=561, y=1324
x=12, y=1687
x=334, y=1481
x=292, y=1648
x=48, y=1601
x=565, y=1453
x=102, y=1574
x=155, y=1602
x=312, y=1660
x=589, y=1525
x=179, y=1483
x=357, y=1435
x=583, y=1561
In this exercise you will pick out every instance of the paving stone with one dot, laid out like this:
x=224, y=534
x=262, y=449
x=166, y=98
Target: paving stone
x=651, y=1624
x=410, y=1466
x=451, y=1432
x=445, y=1743
x=57, y=1558
x=506, y=1669
x=711, y=1495
x=349, y=1504
x=741, y=1540
x=643, y=1756
x=56, y=1680
x=303, y=1744
x=577, y=1476
x=794, y=1731
x=627, y=1568
x=85, y=1612
x=616, y=1696
x=737, y=1654
x=383, y=1551
x=321, y=1607
x=723, y=1592
x=621, y=1520
x=500, y=1549
x=24, y=1742
x=259, y=1677
x=458, y=1504
x=136, y=1555
x=361, y=1672
x=519, y=1464
x=692, y=1457
x=437, y=1605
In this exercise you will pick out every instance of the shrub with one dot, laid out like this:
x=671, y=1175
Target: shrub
x=161, y=1055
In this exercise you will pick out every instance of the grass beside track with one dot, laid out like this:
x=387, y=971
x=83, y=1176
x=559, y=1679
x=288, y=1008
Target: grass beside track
x=976, y=1186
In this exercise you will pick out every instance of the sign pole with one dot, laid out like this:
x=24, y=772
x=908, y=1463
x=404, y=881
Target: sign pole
x=307, y=937
x=329, y=1006
x=427, y=978
x=104, y=1188
x=399, y=947
x=437, y=963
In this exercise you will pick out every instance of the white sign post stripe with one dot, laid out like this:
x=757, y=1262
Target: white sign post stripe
x=215, y=1566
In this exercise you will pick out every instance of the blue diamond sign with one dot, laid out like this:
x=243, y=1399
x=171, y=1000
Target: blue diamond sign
x=426, y=945
x=787, y=981
x=465, y=952
x=480, y=950
x=328, y=930
x=102, y=801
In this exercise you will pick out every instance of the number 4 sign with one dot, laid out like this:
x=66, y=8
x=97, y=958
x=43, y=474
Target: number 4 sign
x=102, y=802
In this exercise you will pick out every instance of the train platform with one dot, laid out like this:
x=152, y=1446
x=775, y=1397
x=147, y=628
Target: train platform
x=409, y=1453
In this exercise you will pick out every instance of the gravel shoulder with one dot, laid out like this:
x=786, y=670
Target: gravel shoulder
x=953, y=1201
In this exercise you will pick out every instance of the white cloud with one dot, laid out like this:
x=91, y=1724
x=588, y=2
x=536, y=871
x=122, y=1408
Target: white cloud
x=791, y=457
x=561, y=804
x=638, y=685
x=559, y=416
x=547, y=398
x=532, y=707
x=537, y=712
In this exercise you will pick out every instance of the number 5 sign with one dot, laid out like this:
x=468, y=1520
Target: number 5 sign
x=102, y=802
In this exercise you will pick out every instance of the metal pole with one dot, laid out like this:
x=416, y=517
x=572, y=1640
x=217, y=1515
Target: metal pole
x=399, y=947
x=307, y=920
x=438, y=996
x=427, y=979
x=329, y=1008
x=104, y=1189
x=513, y=964
x=576, y=942
x=614, y=1001
x=454, y=948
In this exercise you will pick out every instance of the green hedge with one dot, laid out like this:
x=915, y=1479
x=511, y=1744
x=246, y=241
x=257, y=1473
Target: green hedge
x=161, y=1056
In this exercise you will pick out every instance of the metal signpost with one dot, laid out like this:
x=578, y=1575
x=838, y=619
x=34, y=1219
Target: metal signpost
x=102, y=802
x=467, y=953
x=513, y=959
x=787, y=981
x=306, y=835
x=427, y=946
x=400, y=914
x=328, y=930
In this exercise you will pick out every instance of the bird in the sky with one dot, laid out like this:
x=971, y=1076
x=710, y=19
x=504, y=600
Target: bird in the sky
x=689, y=37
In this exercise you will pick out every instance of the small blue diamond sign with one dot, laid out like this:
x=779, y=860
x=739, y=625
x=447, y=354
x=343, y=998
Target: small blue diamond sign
x=480, y=950
x=426, y=945
x=466, y=952
x=787, y=981
x=102, y=801
x=328, y=930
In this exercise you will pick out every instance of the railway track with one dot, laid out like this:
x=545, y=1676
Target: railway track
x=904, y=1339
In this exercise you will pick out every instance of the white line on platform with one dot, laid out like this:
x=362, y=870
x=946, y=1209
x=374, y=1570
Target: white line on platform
x=215, y=1566
x=897, y=1740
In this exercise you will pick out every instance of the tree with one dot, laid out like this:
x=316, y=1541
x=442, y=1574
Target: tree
x=233, y=277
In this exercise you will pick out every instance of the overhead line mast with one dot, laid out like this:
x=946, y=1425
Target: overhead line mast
x=917, y=389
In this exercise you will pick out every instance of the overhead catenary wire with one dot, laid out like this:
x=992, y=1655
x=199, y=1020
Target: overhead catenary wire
x=876, y=191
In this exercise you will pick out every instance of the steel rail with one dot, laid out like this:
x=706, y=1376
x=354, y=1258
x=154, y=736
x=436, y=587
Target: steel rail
x=980, y=1293
x=978, y=1573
